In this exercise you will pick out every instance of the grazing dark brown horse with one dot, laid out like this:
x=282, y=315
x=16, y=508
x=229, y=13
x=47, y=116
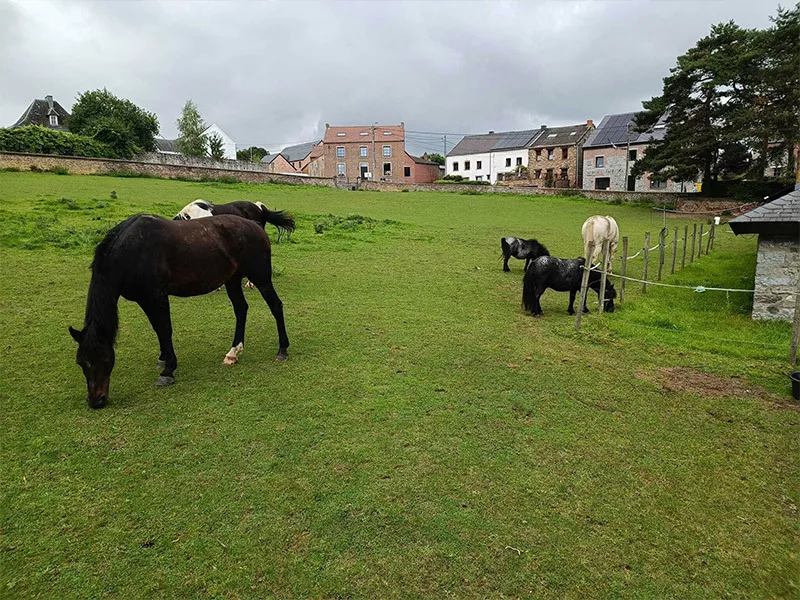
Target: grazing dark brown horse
x=255, y=211
x=561, y=275
x=527, y=250
x=146, y=259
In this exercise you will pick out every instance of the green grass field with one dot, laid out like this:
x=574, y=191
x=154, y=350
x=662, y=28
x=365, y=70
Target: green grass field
x=426, y=439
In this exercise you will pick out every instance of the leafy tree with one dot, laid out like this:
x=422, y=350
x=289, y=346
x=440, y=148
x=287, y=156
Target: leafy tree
x=252, y=154
x=43, y=140
x=191, y=142
x=437, y=158
x=128, y=129
x=216, y=146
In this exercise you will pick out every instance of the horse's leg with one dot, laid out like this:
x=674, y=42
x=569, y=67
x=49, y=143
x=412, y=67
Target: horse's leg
x=571, y=309
x=261, y=276
x=537, y=306
x=236, y=296
x=157, y=311
x=505, y=263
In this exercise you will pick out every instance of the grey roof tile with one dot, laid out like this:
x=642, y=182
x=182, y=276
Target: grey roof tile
x=298, y=151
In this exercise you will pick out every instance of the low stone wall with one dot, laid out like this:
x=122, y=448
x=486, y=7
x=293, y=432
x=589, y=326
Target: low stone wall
x=193, y=161
x=694, y=203
x=79, y=165
x=777, y=275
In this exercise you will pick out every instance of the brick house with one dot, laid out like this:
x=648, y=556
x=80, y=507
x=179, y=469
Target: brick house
x=378, y=150
x=46, y=113
x=777, y=280
x=301, y=155
x=277, y=163
x=555, y=157
x=605, y=157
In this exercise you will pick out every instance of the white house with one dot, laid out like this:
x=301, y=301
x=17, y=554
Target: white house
x=227, y=141
x=482, y=157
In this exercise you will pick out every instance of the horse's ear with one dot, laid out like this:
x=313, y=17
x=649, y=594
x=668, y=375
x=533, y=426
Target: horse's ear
x=76, y=335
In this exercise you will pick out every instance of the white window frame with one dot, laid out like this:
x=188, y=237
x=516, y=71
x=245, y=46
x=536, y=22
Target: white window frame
x=467, y=165
x=340, y=168
x=599, y=162
x=478, y=165
x=363, y=152
x=551, y=153
x=455, y=166
x=387, y=152
x=53, y=120
x=339, y=151
x=385, y=173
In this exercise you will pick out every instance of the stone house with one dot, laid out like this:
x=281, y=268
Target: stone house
x=484, y=157
x=777, y=224
x=555, y=158
x=45, y=113
x=613, y=148
x=301, y=155
x=374, y=152
x=277, y=163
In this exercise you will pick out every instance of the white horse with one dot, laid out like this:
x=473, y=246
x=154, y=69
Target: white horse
x=599, y=229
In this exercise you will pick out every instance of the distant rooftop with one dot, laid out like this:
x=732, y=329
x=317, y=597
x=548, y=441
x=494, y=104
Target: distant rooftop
x=781, y=216
x=613, y=131
x=494, y=142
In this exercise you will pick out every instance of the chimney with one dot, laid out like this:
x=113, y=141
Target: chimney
x=491, y=132
x=402, y=125
x=49, y=101
x=589, y=123
x=327, y=126
x=543, y=127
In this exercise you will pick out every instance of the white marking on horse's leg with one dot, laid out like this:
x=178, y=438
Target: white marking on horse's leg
x=232, y=357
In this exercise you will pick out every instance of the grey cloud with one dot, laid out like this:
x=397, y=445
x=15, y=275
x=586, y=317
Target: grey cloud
x=275, y=72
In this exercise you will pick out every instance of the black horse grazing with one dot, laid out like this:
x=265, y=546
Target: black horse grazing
x=521, y=249
x=255, y=211
x=146, y=259
x=562, y=275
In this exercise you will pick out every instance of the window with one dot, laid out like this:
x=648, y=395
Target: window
x=519, y=160
x=340, y=134
x=455, y=166
x=599, y=161
x=658, y=185
x=340, y=168
x=550, y=153
x=564, y=173
x=387, y=169
x=387, y=151
x=508, y=162
x=632, y=156
x=602, y=183
x=565, y=153
x=776, y=171
x=363, y=169
x=478, y=177
x=387, y=133
x=339, y=151
x=538, y=173
x=406, y=171
x=53, y=120
x=467, y=165
x=478, y=164
x=363, y=151
x=364, y=133
x=538, y=154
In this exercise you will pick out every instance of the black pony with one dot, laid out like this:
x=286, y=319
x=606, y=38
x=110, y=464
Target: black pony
x=521, y=249
x=561, y=275
x=146, y=259
x=255, y=211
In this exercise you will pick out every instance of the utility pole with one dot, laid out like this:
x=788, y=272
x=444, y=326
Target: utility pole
x=445, y=145
x=373, y=151
x=627, y=153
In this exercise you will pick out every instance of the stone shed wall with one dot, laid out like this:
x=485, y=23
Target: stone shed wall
x=777, y=277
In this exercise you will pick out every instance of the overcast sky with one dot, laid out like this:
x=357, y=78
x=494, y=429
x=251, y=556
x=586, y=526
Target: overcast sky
x=272, y=73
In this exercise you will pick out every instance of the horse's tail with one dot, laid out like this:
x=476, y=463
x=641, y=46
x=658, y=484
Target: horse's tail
x=529, y=289
x=280, y=218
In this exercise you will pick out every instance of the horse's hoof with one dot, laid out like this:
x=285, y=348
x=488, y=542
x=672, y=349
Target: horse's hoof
x=282, y=356
x=164, y=381
x=229, y=361
x=160, y=364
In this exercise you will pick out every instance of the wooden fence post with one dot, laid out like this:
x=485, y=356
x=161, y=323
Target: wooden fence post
x=646, y=261
x=685, y=240
x=584, y=284
x=661, y=251
x=694, y=239
x=604, y=276
x=700, y=242
x=624, y=268
x=713, y=234
x=795, y=326
x=674, y=251
x=710, y=237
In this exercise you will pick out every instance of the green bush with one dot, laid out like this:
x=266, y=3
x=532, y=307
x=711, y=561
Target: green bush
x=41, y=140
x=59, y=170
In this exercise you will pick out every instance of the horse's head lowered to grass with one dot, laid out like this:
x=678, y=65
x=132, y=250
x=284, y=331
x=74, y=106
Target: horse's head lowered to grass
x=96, y=359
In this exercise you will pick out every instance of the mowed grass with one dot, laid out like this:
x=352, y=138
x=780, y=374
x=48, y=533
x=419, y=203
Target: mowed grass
x=426, y=439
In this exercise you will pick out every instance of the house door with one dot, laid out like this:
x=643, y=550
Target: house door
x=631, y=183
x=364, y=169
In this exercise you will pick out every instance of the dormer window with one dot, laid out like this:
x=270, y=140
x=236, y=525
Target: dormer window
x=54, y=120
x=340, y=134
x=387, y=133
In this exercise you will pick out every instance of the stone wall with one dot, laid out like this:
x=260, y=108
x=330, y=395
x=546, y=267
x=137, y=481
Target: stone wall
x=193, y=161
x=777, y=277
x=78, y=165
x=614, y=168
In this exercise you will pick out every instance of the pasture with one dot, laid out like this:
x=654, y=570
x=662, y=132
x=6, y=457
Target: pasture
x=426, y=438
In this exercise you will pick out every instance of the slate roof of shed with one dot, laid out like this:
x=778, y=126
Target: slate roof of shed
x=561, y=136
x=270, y=157
x=298, y=151
x=781, y=216
x=165, y=145
x=38, y=113
x=613, y=131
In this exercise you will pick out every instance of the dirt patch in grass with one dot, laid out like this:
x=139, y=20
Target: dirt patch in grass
x=708, y=385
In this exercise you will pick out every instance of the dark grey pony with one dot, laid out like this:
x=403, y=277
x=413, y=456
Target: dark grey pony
x=526, y=250
x=561, y=275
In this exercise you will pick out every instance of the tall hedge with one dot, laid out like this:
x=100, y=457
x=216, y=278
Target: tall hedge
x=41, y=140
